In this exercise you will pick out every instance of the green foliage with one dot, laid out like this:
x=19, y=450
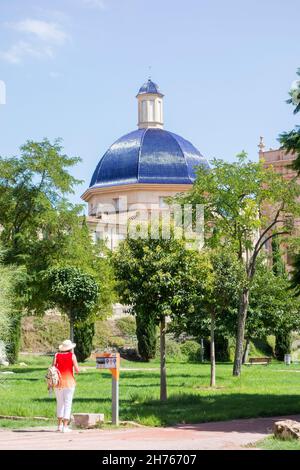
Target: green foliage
x=35, y=215
x=81, y=252
x=234, y=196
x=283, y=344
x=191, y=350
x=146, y=337
x=155, y=276
x=277, y=261
x=6, y=305
x=173, y=349
x=10, y=318
x=14, y=340
x=220, y=279
x=222, y=348
x=260, y=348
x=83, y=337
x=127, y=326
x=272, y=305
x=73, y=291
x=290, y=141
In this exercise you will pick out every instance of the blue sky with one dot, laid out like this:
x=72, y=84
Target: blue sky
x=72, y=69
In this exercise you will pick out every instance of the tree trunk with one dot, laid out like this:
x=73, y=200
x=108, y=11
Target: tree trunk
x=212, y=350
x=244, y=302
x=71, y=331
x=163, y=372
x=246, y=351
x=202, y=350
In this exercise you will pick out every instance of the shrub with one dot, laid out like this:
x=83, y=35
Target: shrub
x=173, y=350
x=282, y=345
x=13, y=344
x=83, y=337
x=146, y=337
x=192, y=350
x=222, y=349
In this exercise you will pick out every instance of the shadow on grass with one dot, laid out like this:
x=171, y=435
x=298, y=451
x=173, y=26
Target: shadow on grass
x=24, y=379
x=27, y=370
x=189, y=408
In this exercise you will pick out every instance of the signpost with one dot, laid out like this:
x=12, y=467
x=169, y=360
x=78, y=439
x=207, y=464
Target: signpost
x=111, y=361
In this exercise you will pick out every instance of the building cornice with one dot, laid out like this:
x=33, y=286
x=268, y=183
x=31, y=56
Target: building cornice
x=134, y=187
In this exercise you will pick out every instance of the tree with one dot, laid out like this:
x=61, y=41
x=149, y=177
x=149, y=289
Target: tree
x=245, y=206
x=41, y=229
x=157, y=278
x=35, y=216
x=74, y=292
x=220, y=281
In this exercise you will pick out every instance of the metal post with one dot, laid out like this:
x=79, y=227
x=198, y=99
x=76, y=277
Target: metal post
x=115, y=401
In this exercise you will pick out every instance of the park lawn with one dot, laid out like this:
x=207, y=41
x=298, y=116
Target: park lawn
x=271, y=443
x=272, y=390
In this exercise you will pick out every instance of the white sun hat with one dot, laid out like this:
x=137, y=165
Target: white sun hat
x=66, y=345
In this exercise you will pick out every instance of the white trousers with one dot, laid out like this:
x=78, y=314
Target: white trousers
x=64, y=397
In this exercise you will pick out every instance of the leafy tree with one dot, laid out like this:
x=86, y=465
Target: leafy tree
x=220, y=280
x=273, y=307
x=245, y=206
x=74, y=292
x=35, y=216
x=41, y=229
x=156, y=277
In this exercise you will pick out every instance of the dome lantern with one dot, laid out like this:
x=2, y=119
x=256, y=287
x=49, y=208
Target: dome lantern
x=150, y=106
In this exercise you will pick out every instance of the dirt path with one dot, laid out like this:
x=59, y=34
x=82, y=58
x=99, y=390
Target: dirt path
x=220, y=435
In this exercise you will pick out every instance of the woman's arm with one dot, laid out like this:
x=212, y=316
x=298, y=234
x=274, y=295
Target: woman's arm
x=75, y=364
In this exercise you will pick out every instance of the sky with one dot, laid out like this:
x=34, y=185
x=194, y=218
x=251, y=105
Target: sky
x=72, y=69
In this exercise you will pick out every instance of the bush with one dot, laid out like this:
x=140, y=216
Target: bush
x=146, y=337
x=173, y=350
x=192, y=350
x=282, y=345
x=13, y=344
x=83, y=337
x=222, y=349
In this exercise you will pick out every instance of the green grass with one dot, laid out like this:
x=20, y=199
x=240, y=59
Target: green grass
x=260, y=391
x=271, y=443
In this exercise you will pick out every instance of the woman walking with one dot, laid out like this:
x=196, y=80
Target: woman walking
x=65, y=361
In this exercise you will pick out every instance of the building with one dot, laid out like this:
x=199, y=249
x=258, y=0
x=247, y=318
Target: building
x=138, y=172
x=281, y=162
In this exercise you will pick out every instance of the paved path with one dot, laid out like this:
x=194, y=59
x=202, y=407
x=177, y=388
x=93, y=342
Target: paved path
x=219, y=435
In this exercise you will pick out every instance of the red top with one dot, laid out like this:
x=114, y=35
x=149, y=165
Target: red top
x=64, y=363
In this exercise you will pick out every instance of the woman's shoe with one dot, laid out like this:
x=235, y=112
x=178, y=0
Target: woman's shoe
x=59, y=428
x=66, y=429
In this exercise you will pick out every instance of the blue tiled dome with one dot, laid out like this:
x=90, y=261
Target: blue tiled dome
x=148, y=156
x=149, y=87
